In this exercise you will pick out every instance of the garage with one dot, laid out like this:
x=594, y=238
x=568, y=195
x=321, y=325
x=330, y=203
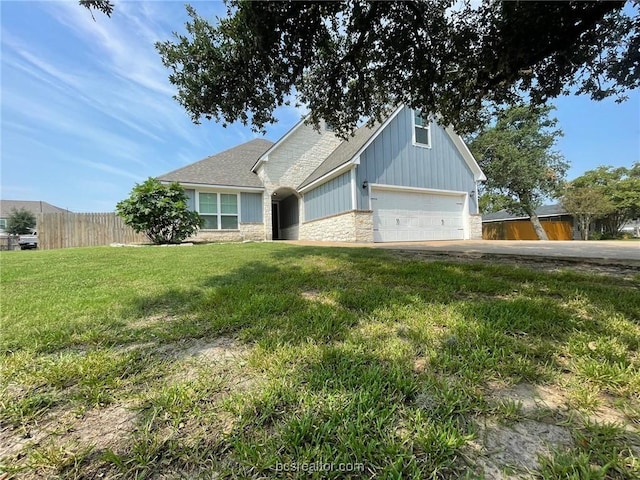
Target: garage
x=405, y=216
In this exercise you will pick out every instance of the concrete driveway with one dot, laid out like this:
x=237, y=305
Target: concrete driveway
x=618, y=251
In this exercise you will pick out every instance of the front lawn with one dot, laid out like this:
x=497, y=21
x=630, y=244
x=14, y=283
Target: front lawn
x=277, y=361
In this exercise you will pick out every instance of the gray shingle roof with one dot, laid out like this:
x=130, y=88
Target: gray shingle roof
x=543, y=211
x=343, y=153
x=231, y=167
x=34, y=206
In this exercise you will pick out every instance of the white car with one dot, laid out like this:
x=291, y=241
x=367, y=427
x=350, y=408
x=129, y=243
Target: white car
x=27, y=242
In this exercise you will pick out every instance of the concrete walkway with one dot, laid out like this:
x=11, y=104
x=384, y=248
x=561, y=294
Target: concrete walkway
x=617, y=251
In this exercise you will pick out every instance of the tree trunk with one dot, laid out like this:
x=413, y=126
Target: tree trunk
x=537, y=226
x=587, y=226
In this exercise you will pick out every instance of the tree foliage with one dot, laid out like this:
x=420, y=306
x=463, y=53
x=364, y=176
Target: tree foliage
x=493, y=202
x=621, y=186
x=20, y=222
x=104, y=6
x=586, y=204
x=516, y=154
x=351, y=59
x=160, y=211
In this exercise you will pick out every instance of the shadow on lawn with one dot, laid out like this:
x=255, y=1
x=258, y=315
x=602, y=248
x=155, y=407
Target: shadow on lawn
x=321, y=294
x=504, y=323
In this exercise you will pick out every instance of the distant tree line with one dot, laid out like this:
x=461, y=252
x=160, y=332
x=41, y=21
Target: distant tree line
x=605, y=198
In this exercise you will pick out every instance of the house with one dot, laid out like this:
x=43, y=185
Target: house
x=632, y=227
x=503, y=225
x=35, y=207
x=404, y=179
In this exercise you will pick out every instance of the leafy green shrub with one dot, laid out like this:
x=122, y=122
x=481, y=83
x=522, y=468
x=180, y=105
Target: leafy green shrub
x=160, y=211
x=20, y=222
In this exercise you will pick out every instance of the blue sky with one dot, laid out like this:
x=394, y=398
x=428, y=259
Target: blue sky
x=87, y=110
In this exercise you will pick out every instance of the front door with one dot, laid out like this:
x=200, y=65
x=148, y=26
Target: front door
x=275, y=222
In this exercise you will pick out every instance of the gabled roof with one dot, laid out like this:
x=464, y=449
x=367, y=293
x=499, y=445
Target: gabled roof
x=542, y=212
x=345, y=152
x=265, y=155
x=350, y=149
x=229, y=168
x=34, y=206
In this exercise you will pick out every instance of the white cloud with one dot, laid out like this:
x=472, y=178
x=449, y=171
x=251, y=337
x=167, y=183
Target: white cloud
x=121, y=45
x=89, y=103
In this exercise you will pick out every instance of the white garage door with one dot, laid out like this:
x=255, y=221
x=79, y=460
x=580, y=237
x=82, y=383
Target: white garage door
x=400, y=216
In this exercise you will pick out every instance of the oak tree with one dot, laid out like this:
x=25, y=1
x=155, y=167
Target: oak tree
x=586, y=204
x=351, y=59
x=104, y=6
x=517, y=156
x=621, y=186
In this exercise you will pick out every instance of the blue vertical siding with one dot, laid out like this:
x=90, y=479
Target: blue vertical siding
x=329, y=198
x=392, y=159
x=251, y=207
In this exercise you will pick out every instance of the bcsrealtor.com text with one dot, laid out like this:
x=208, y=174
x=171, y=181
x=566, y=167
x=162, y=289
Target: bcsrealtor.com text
x=318, y=467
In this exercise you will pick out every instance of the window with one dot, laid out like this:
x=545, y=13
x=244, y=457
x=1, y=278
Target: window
x=208, y=209
x=229, y=211
x=219, y=211
x=3, y=223
x=328, y=126
x=421, y=130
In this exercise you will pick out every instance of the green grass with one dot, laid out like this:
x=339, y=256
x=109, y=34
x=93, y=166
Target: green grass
x=348, y=356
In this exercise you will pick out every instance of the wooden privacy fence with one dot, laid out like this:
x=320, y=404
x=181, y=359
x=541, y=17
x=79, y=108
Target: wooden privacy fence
x=63, y=230
x=523, y=230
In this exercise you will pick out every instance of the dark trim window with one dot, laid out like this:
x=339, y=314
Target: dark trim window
x=421, y=129
x=219, y=210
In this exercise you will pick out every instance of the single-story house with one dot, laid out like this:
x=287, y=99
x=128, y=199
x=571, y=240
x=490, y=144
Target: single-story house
x=503, y=225
x=403, y=179
x=632, y=227
x=33, y=206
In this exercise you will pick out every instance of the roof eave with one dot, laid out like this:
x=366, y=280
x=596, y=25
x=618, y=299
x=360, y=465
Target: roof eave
x=336, y=172
x=214, y=185
x=462, y=147
x=355, y=159
x=265, y=156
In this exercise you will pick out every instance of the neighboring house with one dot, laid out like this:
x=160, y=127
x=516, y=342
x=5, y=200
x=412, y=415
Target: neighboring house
x=632, y=227
x=35, y=207
x=503, y=225
x=405, y=179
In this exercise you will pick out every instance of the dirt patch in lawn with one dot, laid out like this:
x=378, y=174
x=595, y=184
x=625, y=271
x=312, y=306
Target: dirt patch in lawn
x=104, y=428
x=62, y=436
x=223, y=356
x=317, y=296
x=540, y=422
x=221, y=349
x=508, y=451
x=93, y=431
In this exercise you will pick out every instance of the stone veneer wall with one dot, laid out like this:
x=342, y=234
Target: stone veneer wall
x=246, y=231
x=291, y=163
x=364, y=225
x=475, y=226
x=353, y=226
